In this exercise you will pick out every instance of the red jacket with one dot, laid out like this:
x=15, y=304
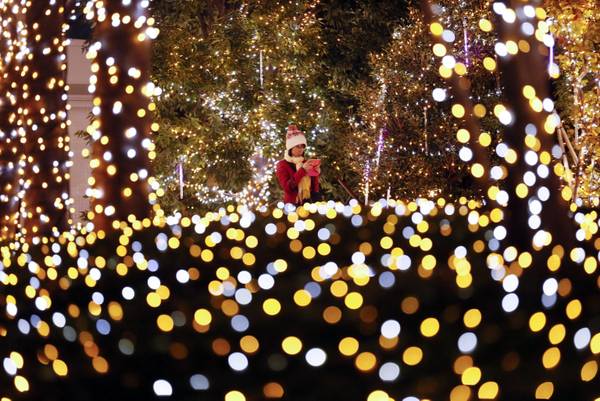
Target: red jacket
x=289, y=179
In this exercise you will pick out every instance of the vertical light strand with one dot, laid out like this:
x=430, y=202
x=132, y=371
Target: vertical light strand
x=379, y=148
x=120, y=186
x=180, y=176
x=466, y=42
x=261, y=70
x=425, y=130
x=367, y=179
x=44, y=122
x=551, y=56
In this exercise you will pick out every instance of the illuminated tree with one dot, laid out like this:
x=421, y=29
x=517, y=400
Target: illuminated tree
x=230, y=85
x=35, y=151
x=43, y=125
x=10, y=148
x=405, y=127
x=573, y=34
x=120, y=182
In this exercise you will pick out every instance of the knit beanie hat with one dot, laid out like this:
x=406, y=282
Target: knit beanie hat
x=293, y=138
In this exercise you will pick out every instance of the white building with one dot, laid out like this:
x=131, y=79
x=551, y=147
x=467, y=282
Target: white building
x=78, y=77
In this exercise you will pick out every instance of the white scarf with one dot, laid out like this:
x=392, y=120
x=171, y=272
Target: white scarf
x=296, y=161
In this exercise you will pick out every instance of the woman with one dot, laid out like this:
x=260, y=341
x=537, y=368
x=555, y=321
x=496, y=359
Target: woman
x=298, y=177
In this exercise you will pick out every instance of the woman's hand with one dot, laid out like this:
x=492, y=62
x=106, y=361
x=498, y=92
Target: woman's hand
x=311, y=163
x=307, y=165
x=312, y=167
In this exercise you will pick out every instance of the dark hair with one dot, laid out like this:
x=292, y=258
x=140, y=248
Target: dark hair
x=290, y=151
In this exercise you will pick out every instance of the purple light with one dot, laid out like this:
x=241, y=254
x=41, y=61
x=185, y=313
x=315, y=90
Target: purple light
x=180, y=176
x=551, y=59
x=379, y=148
x=466, y=40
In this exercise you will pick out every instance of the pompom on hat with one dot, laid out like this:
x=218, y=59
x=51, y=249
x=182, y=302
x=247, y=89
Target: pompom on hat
x=293, y=138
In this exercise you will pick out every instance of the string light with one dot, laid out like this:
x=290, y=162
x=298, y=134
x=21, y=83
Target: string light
x=420, y=156
x=10, y=150
x=570, y=29
x=121, y=188
x=36, y=153
x=372, y=293
x=234, y=161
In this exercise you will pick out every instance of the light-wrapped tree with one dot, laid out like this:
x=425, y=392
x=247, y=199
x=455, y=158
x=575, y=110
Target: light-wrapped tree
x=406, y=133
x=575, y=30
x=232, y=78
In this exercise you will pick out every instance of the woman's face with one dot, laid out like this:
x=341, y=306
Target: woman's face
x=298, y=150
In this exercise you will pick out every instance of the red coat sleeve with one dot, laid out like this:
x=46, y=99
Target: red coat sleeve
x=288, y=179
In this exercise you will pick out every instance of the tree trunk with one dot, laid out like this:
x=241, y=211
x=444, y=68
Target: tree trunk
x=120, y=163
x=10, y=148
x=46, y=172
x=516, y=74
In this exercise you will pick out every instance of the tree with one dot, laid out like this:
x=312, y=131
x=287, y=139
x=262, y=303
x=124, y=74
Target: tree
x=575, y=29
x=46, y=199
x=406, y=134
x=34, y=153
x=228, y=95
x=9, y=141
x=120, y=186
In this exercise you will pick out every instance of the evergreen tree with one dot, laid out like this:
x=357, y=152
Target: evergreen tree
x=352, y=30
x=232, y=79
x=574, y=32
x=407, y=136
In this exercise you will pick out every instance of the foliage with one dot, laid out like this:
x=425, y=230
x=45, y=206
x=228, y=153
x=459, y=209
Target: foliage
x=217, y=119
x=230, y=92
x=407, y=140
x=576, y=29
